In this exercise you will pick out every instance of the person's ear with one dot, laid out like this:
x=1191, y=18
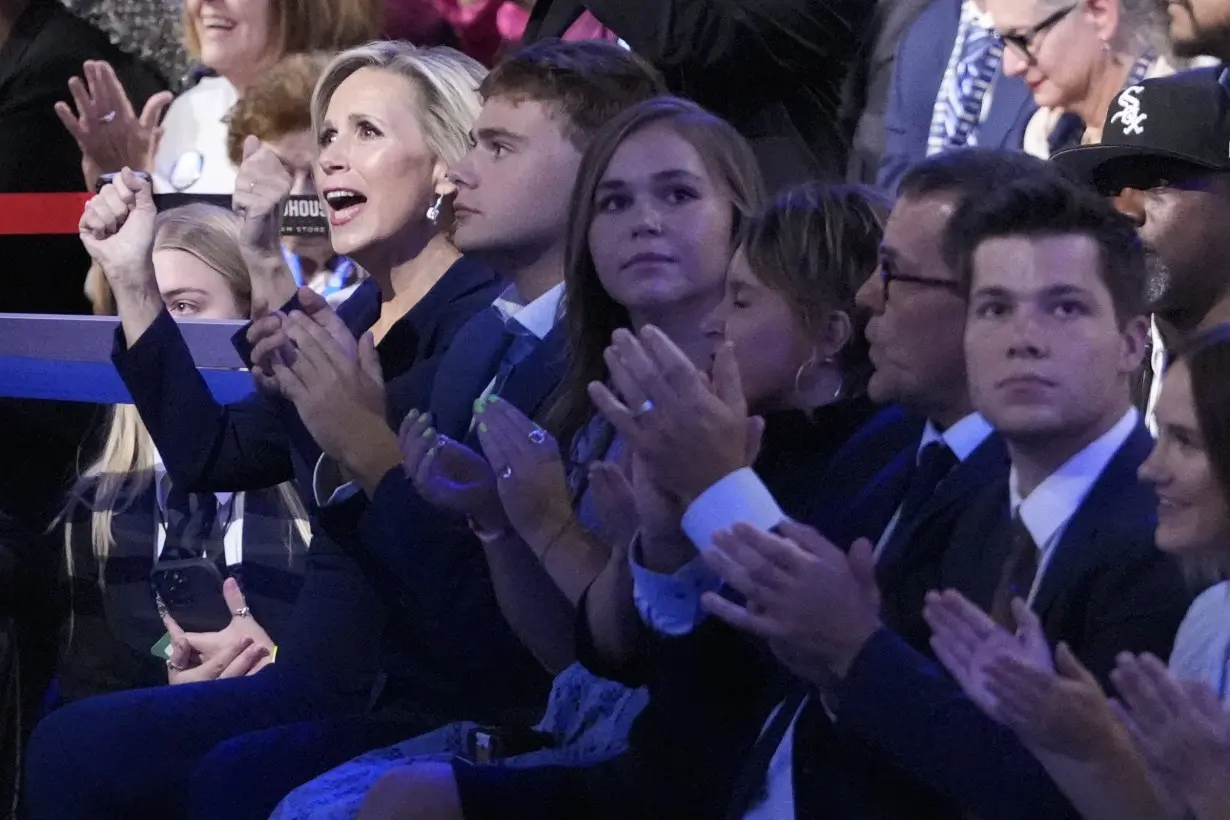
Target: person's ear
x=441, y=184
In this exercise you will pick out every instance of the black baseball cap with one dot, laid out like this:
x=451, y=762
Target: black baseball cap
x=1167, y=128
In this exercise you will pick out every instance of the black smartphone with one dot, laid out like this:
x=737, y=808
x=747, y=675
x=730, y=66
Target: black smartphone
x=191, y=590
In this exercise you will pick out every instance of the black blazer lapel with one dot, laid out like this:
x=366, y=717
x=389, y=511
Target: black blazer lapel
x=989, y=462
x=465, y=371
x=1117, y=501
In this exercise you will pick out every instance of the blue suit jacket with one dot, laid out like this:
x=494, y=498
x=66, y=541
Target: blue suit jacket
x=1107, y=590
x=922, y=57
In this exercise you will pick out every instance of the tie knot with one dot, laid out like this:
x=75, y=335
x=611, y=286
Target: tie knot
x=937, y=458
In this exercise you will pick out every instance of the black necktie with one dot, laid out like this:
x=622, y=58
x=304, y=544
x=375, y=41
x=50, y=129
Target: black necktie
x=1017, y=577
x=192, y=524
x=753, y=777
x=935, y=462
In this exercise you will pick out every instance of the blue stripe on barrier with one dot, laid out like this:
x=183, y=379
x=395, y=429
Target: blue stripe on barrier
x=98, y=382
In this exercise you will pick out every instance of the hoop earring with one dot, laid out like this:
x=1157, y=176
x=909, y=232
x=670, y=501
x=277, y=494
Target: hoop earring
x=798, y=377
x=798, y=374
x=433, y=213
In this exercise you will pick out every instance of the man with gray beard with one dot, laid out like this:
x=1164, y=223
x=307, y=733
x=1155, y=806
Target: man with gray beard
x=1165, y=158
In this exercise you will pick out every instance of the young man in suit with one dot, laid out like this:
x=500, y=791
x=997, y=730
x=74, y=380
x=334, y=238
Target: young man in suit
x=933, y=106
x=773, y=68
x=1056, y=288
x=375, y=581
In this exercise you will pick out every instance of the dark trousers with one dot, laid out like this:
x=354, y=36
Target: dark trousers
x=226, y=749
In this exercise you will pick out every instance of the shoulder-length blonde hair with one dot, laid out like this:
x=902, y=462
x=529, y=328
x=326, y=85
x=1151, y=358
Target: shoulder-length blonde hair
x=124, y=470
x=445, y=83
x=592, y=315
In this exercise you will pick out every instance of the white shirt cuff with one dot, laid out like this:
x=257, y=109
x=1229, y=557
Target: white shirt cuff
x=739, y=497
x=327, y=483
x=670, y=604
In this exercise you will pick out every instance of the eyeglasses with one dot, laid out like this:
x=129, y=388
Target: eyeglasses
x=887, y=276
x=1025, y=41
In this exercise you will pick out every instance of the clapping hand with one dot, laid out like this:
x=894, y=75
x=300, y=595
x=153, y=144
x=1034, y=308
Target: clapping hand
x=1053, y=705
x=108, y=131
x=340, y=400
x=448, y=474
x=690, y=430
x=1181, y=729
x=242, y=648
x=803, y=594
x=965, y=638
x=529, y=470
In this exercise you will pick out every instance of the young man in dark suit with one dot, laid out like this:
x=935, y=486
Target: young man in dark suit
x=1056, y=287
x=773, y=68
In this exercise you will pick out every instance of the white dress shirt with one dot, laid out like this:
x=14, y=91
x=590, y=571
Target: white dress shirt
x=191, y=156
x=230, y=516
x=538, y=317
x=1047, y=510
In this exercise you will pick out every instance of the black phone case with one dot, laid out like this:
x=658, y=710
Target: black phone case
x=191, y=590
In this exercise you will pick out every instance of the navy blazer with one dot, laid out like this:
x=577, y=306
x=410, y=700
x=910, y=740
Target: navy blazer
x=427, y=564
x=774, y=69
x=248, y=445
x=1107, y=590
x=922, y=57
x=911, y=564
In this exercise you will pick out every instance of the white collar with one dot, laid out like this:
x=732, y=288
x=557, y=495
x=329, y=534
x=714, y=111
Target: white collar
x=962, y=438
x=1047, y=510
x=538, y=317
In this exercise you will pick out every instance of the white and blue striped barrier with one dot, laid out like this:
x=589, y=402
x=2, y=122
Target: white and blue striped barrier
x=68, y=358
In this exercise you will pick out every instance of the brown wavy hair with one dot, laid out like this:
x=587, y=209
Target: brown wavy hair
x=590, y=312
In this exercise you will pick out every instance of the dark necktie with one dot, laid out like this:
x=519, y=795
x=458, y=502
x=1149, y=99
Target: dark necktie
x=522, y=344
x=1018, y=574
x=192, y=524
x=518, y=344
x=935, y=462
x=753, y=777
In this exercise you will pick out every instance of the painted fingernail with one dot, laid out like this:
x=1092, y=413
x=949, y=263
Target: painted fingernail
x=482, y=428
x=429, y=432
x=479, y=405
x=413, y=415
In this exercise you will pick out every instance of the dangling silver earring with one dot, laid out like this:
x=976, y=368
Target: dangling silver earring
x=1106, y=47
x=433, y=213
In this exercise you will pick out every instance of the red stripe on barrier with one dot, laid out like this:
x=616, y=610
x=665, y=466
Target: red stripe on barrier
x=29, y=214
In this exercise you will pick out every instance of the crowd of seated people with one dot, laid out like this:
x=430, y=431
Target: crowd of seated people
x=613, y=457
